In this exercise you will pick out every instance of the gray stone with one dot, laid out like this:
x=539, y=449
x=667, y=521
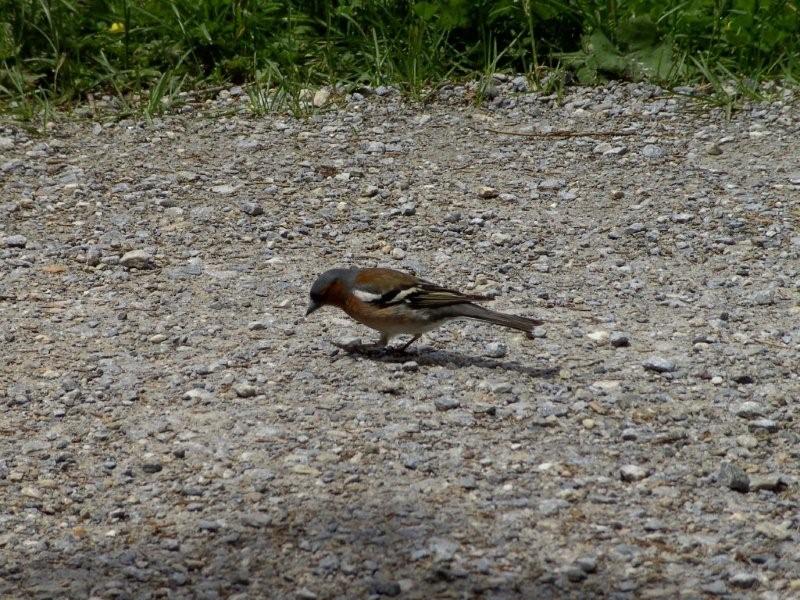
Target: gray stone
x=575, y=574
x=632, y=473
x=383, y=587
x=495, y=350
x=519, y=84
x=552, y=184
x=224, y=190
x=744, y=580
x=619, y=339
x=763, y=297
x=658, y=364
x=552, y=506
x=408, y=209
x=772, y=483
x=682, y=217
x=208, y=525
x=137, y=259
x=15, y=241
x=767, y=425
x=734, y=478
x=653, y=151
x=587, y=563
x=715, y=588
x=446, y=403
x=487, y=192
x=152, y=466
x=749, y=410
x=442, y=549
x=245, y=390
x=251, y=208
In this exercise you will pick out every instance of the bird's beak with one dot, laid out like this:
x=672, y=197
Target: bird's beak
x=312, y=306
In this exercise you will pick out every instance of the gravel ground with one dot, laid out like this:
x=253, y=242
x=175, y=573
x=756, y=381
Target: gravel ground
x=174, y=428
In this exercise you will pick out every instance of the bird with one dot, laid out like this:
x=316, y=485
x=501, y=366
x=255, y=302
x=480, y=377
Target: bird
x=396, y=303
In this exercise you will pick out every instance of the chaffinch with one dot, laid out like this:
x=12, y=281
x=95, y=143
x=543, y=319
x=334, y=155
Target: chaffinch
x=396, y=303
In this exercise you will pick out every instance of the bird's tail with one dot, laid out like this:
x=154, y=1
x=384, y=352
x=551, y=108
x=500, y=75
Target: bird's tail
x=473, y=311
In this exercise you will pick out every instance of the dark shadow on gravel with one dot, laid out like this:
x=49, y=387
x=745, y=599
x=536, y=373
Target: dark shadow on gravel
x=442, y=358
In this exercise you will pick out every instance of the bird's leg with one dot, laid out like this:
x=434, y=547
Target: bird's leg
x=405, y=346
x=382, y=341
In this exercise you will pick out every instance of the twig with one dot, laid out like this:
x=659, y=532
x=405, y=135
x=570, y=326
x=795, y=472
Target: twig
x=560, y=134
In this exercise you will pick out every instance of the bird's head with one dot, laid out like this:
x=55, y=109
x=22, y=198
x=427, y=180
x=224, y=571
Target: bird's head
x=328, y=288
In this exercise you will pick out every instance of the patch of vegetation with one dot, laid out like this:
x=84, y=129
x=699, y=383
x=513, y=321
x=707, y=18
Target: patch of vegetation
x=58, y=51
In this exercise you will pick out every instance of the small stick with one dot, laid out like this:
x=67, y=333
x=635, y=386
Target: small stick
x=562, y=133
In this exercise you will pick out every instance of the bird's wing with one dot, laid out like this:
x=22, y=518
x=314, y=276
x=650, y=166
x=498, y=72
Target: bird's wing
x=387, y=287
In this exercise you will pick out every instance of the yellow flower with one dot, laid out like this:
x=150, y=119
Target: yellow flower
x=117, y=27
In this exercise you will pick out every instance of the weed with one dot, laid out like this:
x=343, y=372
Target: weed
x=63, y=50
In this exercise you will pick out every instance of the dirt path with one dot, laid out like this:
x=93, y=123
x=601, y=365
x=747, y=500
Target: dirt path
x=173, y=427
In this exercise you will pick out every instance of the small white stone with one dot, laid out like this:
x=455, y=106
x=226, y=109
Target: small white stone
x=137, y=259
x=322, y=97
x=632, y=473
x=600, y=336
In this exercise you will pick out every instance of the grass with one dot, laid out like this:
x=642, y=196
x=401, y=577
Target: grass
x=55, y=53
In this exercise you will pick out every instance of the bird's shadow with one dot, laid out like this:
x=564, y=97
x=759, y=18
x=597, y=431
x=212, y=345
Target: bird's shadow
x=440, y=358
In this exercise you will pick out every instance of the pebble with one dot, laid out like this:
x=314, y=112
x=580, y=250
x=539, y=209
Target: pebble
x=632, y=473
x=245, y=390
x=767, y=425
x=495, y=350
x=600, y=337
x=734, y=478
x=349, y=342
x=552, y=184
x=715, y=588
x=15, y=241
x=224, y=190
x=251, y=208
x=446, y=403
x=552, y=506
x=137, y=259
x=370, y=191
x=744, y=580
x=749, y=410
x=539, y=332
x=383, y=587
x=653, y=151
x=408, y=209
x=442, y=549
x=658, y=364
x=575, y=574
x=747, y=441
x=588, y=564
x=321, y=97
x=152, y=467
x=487, y=192
x=773, y=531
x=208, y=525
x=619, y=339
x=682, y=217
x=763, y=297
x=713, y=149
x=773, y=483
x=519, y=84
x=375, y=147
